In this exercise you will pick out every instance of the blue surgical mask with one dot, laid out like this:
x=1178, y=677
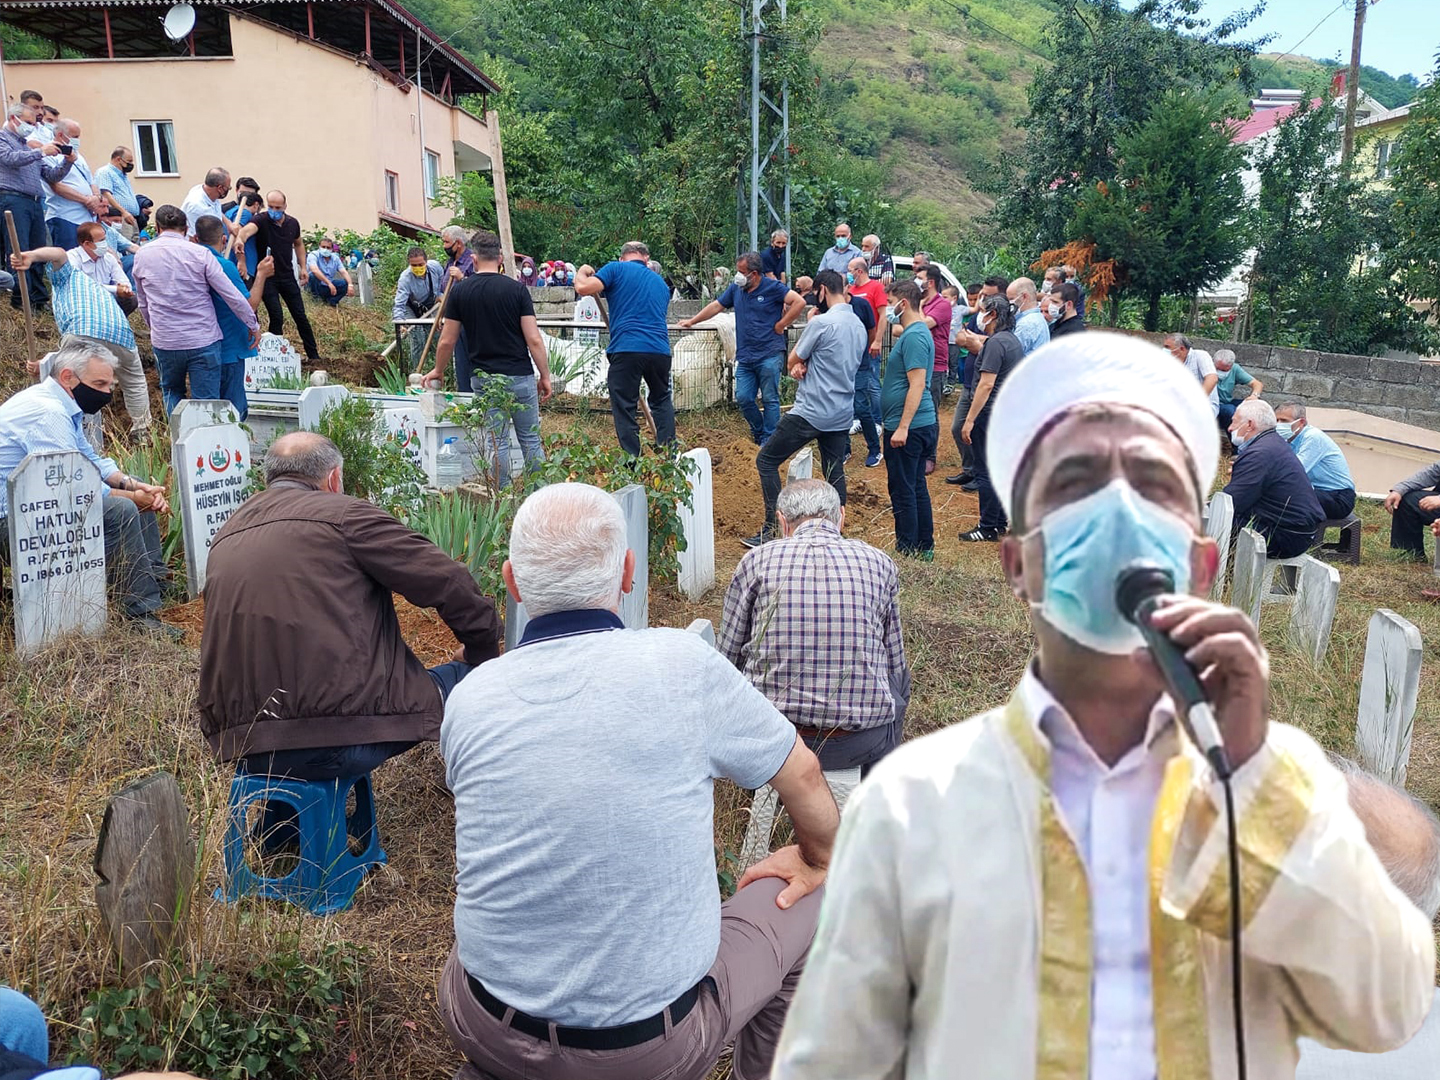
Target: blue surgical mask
x=1285, y=429
x=25, y=130
x=1088, y=544
x=849, y=278
x=892, y=316
x=842, y=242
x=277, y=215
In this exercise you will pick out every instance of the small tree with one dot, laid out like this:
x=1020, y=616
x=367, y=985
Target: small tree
x=1171, y=218
x=1416, y=255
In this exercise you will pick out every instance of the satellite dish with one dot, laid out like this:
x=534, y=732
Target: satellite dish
x=179, y=21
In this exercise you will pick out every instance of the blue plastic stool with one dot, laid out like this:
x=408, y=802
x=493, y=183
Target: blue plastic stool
x=327, y=875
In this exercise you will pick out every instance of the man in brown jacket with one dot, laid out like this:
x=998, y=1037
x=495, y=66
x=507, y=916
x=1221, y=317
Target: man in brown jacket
x=303, y=671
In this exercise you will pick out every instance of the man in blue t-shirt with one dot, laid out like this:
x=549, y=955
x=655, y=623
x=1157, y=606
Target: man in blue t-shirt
x=234, y=335
x=242, y=213
x=764, y=309
x=911, y=426
x=639, y=347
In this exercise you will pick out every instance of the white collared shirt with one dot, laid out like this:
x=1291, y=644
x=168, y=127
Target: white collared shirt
x=105, y=270
x=1108, y=812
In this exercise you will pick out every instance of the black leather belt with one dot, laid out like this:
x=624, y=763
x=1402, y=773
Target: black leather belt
x=615, y=1038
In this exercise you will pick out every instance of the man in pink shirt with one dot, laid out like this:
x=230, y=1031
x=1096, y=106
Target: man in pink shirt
x=937, y=311
x=174, y=280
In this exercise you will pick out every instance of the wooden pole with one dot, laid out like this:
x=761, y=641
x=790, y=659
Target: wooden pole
x=502, y=196
x=1352, y=86
x=22, y=283
x=439, y=316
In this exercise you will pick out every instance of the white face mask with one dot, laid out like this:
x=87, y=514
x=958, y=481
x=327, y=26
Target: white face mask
x=739, y=279
x=102, y=247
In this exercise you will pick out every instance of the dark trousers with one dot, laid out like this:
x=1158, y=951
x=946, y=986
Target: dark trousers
x=1407, y=525
x=992, y=513
x=627, y=371
x=63, y=233
x=867, y=402
x=1336, y=504
x=288, y=289
x=31, y=234
x=133, y=556
x=322, y=292
x=333, y=762
x=957, y=425
x=232, y=386
x=909, y=494
x=790, y=435
x=937, y=395
x=1280, y=542
x=128, y=304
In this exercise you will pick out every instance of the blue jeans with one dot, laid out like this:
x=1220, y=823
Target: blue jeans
x=909, y=495
x=22, y=1026
x=63, y=233
x=526, y=419
x=867, y=401
x=31, y=233
x=320, y=292
x=232, y=386
x=201, y=366
x=1227, y=413
x=762, y=377
x=464, y=369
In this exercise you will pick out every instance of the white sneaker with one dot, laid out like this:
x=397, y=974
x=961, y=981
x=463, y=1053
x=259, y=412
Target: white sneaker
x=855, y=427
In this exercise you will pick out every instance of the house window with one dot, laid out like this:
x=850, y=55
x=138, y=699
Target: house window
x=392, y=192
x=1382, y=161
x=432, y=173
x=155, y=148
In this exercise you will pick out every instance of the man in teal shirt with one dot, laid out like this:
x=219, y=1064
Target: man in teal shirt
x=234, y=335
x=1232, y=375
x=911, y=426
x=1324, y=462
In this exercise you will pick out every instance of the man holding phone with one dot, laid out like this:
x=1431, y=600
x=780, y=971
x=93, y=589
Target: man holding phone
x=24, y=172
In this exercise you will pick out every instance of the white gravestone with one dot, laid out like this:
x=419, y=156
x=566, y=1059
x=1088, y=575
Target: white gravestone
x=705, y=629
x=1250, y=575
x=402, y=426
x=57, y=548
x=697, y=525
x=1219, y=522
x=191, y=413
x=274, y=357
x=802, y=466
x=365, y=282
x=1389, y=689
x=634, y=605
x=587, y=311
x=212, y=465
x=766, y=804
x=314, y=400
x=1317, y=591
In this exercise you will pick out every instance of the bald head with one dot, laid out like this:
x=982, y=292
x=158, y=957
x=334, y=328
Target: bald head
x=1403, y=831
x=305, y=457
x=1023, y=294
x=859, y=267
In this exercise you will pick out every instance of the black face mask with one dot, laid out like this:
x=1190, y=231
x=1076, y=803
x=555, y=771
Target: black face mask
x=128, y=168
x=822, y=305
x=91, y=400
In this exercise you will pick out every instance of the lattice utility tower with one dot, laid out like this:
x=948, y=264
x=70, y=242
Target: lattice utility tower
x=766, y=183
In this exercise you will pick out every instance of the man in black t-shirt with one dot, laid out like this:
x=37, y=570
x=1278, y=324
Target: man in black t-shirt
x=277, y=233
x=497, y=318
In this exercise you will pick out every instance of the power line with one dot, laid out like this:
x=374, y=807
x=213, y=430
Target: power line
x=1275, y=61
x=965, y=11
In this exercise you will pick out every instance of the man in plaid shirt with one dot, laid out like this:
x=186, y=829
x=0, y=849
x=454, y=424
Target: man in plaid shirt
x=813, y=621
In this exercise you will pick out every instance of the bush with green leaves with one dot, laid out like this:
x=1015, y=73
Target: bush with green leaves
x=474, y=531
x=273, y=1021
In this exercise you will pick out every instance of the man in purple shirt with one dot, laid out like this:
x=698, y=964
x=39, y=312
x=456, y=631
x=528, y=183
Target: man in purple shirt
x=174, y=279
x=460, y=264
x=22, y=171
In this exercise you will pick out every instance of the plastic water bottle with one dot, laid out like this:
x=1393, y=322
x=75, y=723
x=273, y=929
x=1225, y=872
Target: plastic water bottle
x=449, y=470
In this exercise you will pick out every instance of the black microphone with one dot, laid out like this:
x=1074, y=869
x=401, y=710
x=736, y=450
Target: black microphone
x=1137, y=594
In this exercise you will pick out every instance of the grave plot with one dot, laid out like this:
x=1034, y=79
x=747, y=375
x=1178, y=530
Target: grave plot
x=212, y=467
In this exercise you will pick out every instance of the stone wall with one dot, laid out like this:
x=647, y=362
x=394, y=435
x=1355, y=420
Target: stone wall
x=1403, y=390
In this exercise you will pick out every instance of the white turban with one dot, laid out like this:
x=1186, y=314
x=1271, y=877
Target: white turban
x=1099, y=367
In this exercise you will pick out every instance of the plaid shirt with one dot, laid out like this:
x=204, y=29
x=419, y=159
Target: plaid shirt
x=86, y=308
x=22, y=168
x=814, y=623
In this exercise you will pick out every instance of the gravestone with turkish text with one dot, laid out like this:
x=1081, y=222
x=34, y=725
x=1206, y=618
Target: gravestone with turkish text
x=697, y=525
x=635, y=605
x=190, y=413
x=274, y=358
x=212, y=465
x=1219, y=523
x=1250, y=575
x=802, y=466
x=402, y=426
x=1389, y=690
x=587, y=313
x=57, y=548
x=1312, y=614
x=314, y=400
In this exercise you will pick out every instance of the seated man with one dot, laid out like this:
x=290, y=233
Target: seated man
x=1414, y=503
x=590, y=937
x=95, y=260
x=1324, y=462
x=1272, y=494
x=46, y=417
x=1199, y=363
x=1232, y=375
x=813, y=621
x=1406, y=837
x=325, y=273
x=303, y=672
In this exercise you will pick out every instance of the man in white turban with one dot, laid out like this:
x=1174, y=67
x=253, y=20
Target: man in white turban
x=1043, y=892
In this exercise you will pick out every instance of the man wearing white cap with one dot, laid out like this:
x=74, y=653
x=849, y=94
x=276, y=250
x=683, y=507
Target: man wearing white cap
x=1043, y=891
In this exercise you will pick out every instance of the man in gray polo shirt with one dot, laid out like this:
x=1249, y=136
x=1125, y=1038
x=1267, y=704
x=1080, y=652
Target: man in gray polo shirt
x=590, y=936
x=823, y=362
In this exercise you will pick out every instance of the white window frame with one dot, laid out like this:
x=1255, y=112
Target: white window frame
x=392, y=192
x=1384, y=153
x=432, y=177
x=151, y=140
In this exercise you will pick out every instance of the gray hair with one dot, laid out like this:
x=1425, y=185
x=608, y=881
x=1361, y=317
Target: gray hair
x=301, y=455
x=75, y=354
x=1296, y=410
x=1178, y=339
x=70, y=127
x=217, y=176
x=634, y=247
x=655, y=266
x=1227, y=355
x=750, y=261
x=567, y=549
x=454, y=232
x=779, y=233
x=801, y=500
x=1408, y=848
x=1253, y=408
x=12, y=111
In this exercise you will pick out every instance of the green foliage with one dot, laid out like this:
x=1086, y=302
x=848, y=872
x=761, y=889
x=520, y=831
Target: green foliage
x=1170, y=218
x=390, y=247
x=475, y=532
x=376, y=467
x=1303, y=73
x=284, y=381
x=149, y=460
x=274, y=1021
x=393, y=378
x=1415, y=255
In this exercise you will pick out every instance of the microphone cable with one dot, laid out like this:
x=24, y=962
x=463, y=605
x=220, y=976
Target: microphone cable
x=1236, y=953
